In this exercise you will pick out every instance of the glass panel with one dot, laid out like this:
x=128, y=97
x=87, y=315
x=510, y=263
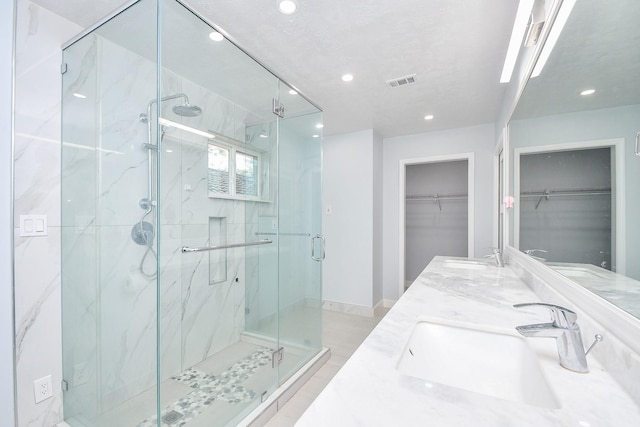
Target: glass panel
x=214, y=371
x=300, y=231
x=154, y=335
x=108, y=263
x=246, y=174
x=218, y=176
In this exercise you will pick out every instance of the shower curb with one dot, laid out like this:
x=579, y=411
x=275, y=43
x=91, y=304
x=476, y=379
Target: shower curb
x=267, y=409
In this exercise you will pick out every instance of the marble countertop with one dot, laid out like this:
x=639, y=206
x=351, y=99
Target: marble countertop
x=621, y=290
x=369, y=391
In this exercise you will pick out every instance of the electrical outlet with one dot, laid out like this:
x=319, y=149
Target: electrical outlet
x=43, y=389
x=80, y=374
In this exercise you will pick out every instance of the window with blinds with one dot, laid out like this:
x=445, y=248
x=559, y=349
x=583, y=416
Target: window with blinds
x=233, y=173
x=218, y=174
x=246, y=174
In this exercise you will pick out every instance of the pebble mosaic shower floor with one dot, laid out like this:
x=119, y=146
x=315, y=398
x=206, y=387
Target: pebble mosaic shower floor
x=226, y=386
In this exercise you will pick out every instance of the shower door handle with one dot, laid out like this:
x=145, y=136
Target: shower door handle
x=637, y=148
x=313, y=247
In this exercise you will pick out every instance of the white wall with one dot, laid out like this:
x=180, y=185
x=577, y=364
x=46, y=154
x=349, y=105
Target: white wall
x=7, y=380
x=477, y=139
x=348, y=162
x=377, y=220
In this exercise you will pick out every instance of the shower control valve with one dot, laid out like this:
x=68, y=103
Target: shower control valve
x=146, y=203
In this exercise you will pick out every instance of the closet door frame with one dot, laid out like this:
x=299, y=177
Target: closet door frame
x=469, y=157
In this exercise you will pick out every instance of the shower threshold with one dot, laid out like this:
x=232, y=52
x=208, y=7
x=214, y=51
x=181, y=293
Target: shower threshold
x=205, y=390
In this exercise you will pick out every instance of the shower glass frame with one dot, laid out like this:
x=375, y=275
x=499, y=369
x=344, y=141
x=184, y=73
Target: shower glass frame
x=127, y=335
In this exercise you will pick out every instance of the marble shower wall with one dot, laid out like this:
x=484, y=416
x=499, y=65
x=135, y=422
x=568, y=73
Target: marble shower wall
x=111, y=303
x=39, y=35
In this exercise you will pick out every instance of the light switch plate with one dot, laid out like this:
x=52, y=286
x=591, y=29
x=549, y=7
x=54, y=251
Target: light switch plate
x=33, y=225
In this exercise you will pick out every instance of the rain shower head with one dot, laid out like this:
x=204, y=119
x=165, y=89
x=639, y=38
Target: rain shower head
x=187, y=110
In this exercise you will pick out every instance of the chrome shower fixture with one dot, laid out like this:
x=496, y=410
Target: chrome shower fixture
x=185, y=109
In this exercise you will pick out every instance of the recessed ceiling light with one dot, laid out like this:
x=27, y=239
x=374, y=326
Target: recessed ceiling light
x=316, y=136
x=319, y=126
x=588, y=92
x=79, y=95
x=347, y=77
x=429, y=117
x=216, y=36
x=287, y=7
x=293, y=92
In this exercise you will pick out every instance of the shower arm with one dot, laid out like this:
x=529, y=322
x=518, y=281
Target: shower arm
x=155, y=101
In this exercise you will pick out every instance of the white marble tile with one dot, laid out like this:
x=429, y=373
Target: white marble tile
x=37, y=191
x=171, y=300
x=123, y=96
x=127, y=323
x=37, y=317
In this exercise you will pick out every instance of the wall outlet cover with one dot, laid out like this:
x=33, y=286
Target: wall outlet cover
x=43, y=389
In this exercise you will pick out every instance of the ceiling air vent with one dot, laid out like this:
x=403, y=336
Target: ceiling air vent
x=402, y=81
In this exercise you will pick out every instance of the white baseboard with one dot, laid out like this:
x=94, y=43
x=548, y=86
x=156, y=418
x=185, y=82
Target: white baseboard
x=378, y=310
x=342, y=307
x=383, y=306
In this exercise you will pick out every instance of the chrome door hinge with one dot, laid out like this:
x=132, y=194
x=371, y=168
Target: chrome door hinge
x=276, y=357
x=277, y=108
x=64, y=385
x=63, y=68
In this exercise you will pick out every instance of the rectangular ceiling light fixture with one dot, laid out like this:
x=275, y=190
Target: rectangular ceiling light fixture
x=554, y=34
x=519, y=28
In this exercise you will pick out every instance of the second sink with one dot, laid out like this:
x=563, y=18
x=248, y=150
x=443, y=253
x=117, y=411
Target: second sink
x=497, y=363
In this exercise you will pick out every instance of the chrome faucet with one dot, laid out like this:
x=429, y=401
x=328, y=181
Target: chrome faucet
x=497, y=254
x=566, y=332
x=531, y=252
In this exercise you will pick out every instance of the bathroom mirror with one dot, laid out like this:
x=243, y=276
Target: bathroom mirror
x=575, y=159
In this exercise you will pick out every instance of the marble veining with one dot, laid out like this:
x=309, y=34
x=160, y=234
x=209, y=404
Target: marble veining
x=370, y=391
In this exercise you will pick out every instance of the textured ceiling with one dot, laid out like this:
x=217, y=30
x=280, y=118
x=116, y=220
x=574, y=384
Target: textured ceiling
x=456, y=48
x=599, y=49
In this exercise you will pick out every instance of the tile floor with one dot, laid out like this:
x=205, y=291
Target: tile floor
x=341, y=332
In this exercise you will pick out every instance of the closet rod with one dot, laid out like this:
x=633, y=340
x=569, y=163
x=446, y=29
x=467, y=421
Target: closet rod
x=435, y=197
x=574, y=192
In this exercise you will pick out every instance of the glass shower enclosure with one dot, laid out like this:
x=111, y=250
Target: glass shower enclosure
x=191, y=224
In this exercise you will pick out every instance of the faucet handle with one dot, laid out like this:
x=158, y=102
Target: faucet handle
x=562, y=317
x=532, y=251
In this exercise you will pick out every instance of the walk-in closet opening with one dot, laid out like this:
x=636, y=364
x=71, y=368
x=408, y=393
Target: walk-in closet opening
x=437, y=212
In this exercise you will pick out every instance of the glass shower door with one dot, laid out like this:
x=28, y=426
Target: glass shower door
x=217, y=199
x=301, y=244
x=108, y=279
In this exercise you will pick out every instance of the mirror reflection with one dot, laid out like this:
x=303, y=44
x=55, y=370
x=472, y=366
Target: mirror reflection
x=576, y=164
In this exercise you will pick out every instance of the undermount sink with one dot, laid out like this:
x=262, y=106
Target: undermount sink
x=464, y=264
x=576, y=272
x=496, y=363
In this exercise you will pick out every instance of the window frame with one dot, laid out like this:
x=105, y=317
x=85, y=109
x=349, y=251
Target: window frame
x=233, y=150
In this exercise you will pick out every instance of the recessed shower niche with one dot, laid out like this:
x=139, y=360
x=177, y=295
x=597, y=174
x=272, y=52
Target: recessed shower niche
x=189, y=293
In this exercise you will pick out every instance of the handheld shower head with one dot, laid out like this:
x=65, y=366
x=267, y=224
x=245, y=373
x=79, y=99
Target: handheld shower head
x=187, y=110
